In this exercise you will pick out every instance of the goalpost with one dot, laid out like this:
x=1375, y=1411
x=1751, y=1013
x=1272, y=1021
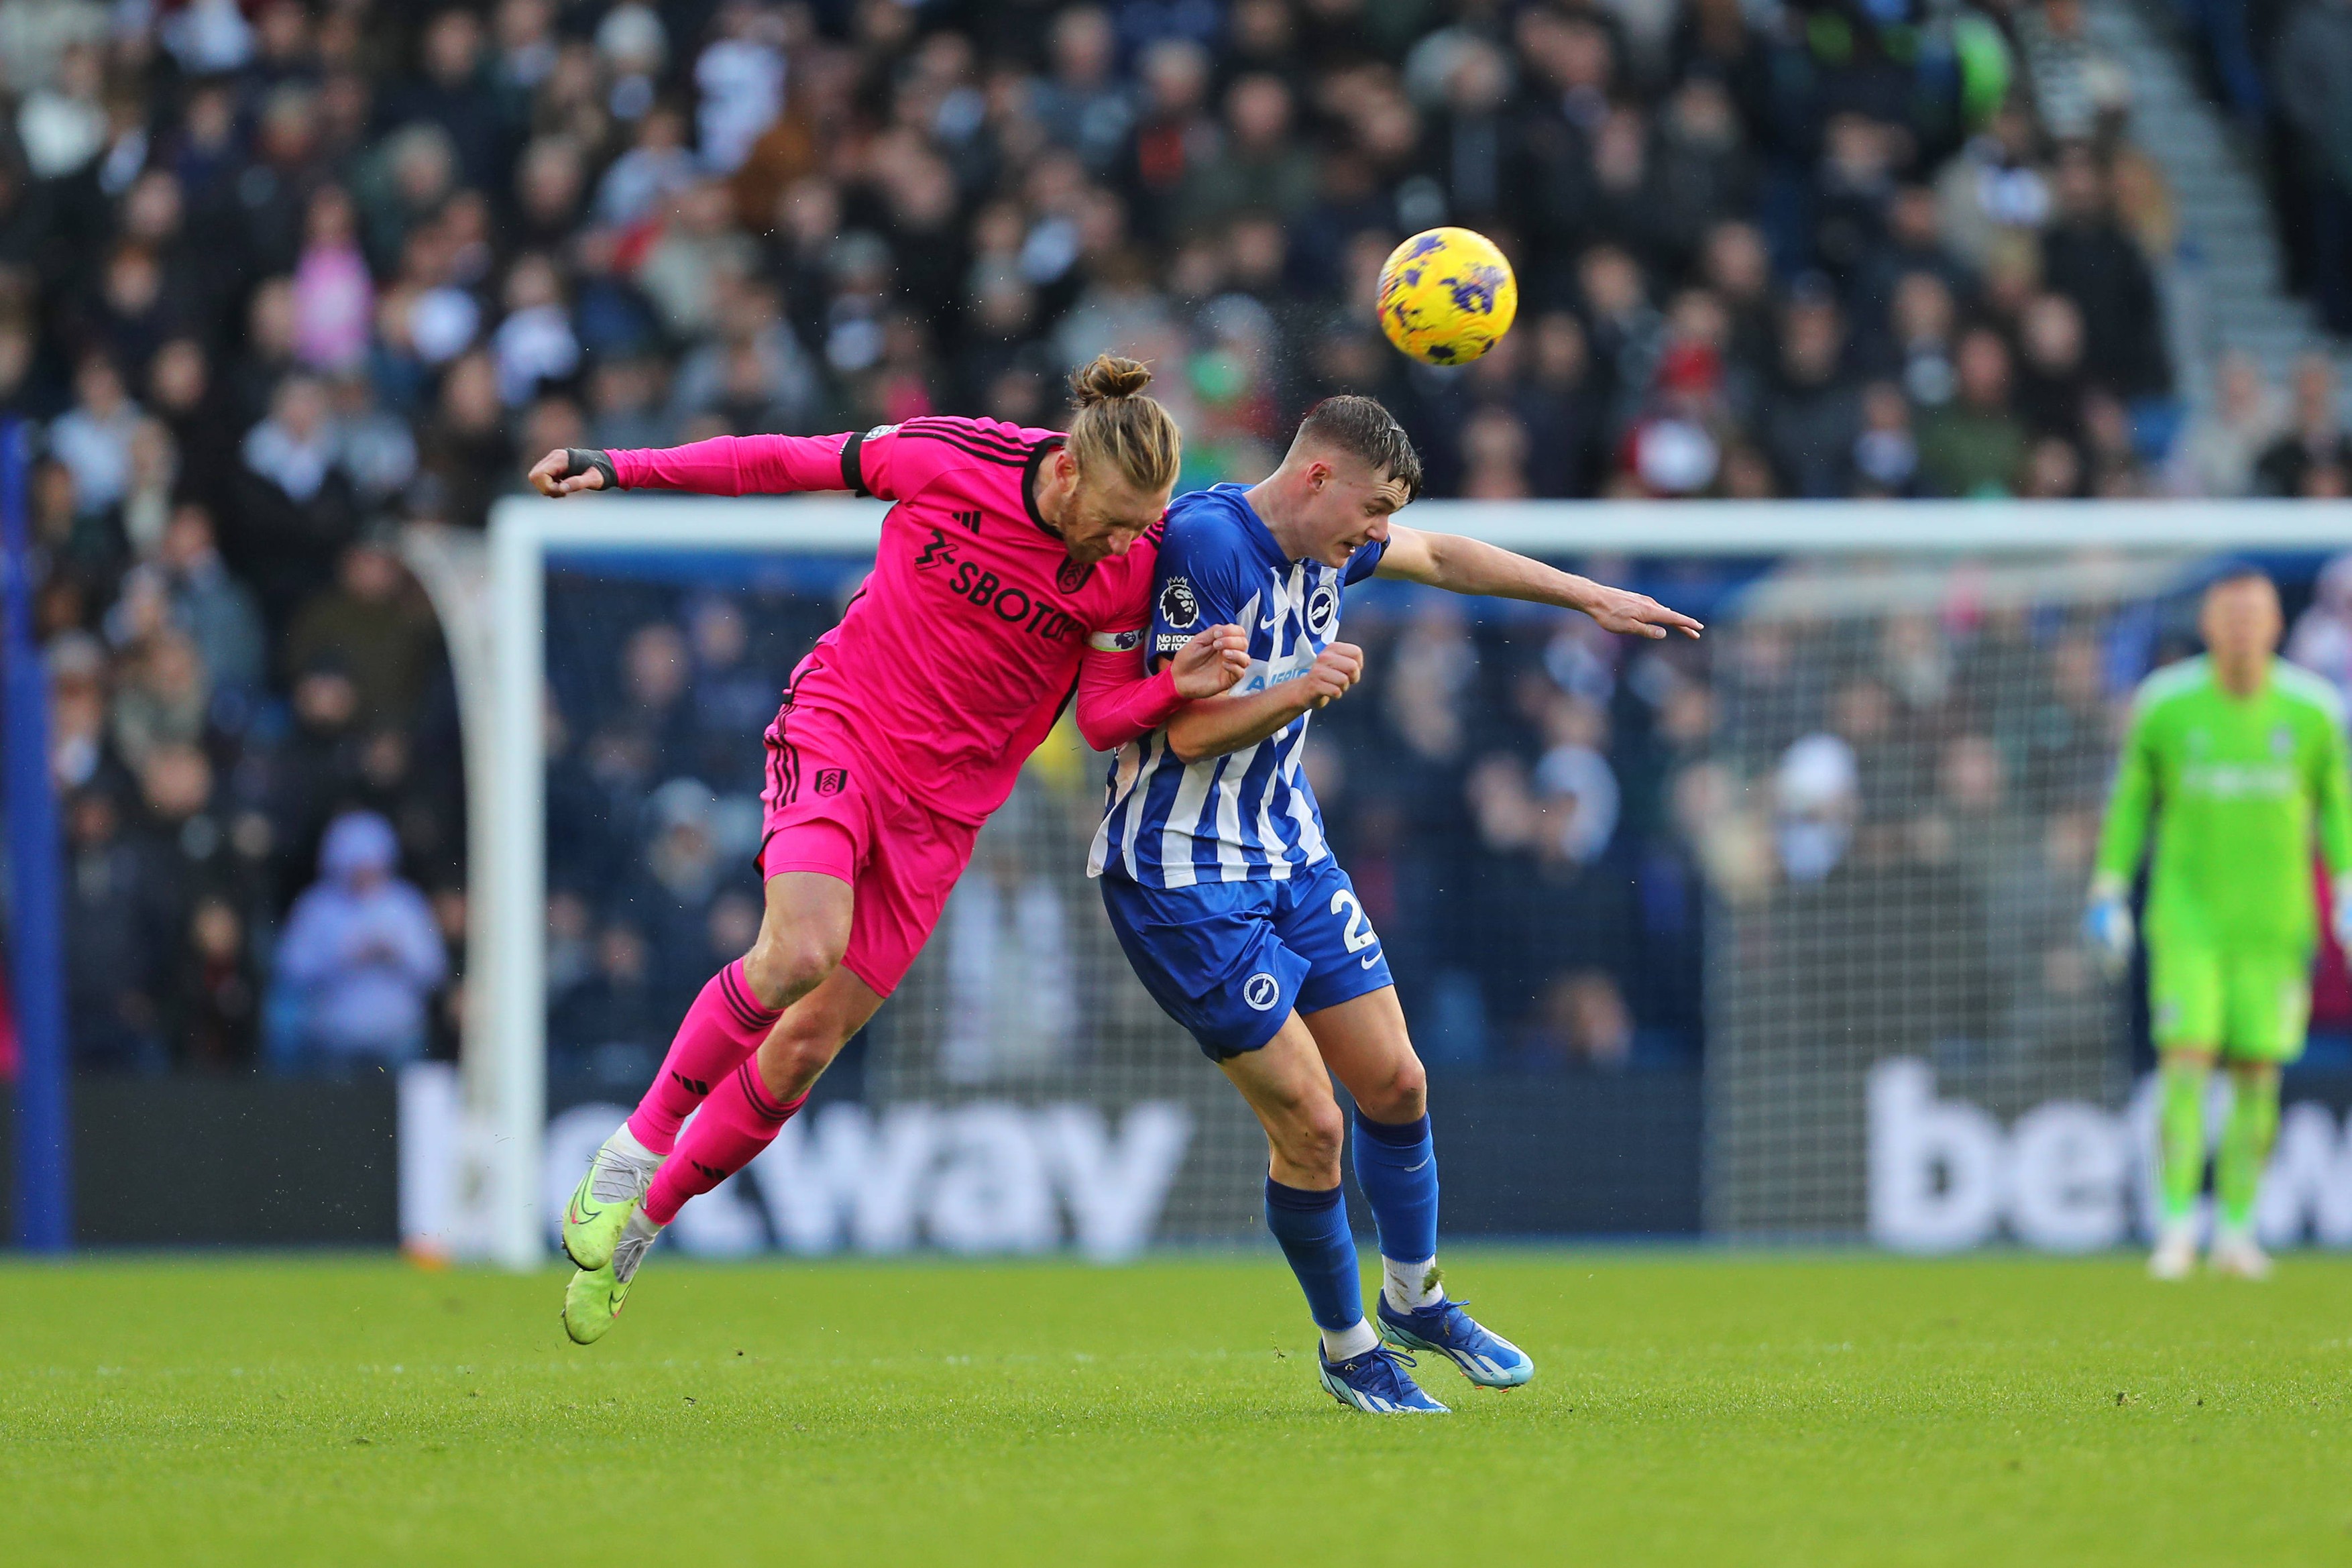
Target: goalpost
x=492, y=599
x=491, y=602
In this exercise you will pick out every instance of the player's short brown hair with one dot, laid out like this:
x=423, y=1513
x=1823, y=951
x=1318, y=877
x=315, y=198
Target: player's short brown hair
x=1363, y=427
x=1118, y=429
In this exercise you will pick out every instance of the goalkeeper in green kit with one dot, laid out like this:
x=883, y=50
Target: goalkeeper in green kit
x=2239, y=758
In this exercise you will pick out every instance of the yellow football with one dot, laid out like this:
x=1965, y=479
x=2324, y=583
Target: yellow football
x=1446, y=295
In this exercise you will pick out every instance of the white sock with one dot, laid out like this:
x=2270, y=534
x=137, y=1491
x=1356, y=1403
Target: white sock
x=625, y=1142
x=1345, y=1344
x=1410, y=1287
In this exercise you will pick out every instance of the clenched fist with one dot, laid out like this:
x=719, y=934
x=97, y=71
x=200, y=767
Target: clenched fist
x=1335, y=669
x=568, y=471
x=1212, y=661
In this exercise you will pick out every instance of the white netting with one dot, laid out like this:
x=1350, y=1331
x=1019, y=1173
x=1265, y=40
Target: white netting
x=664, y=672
x=1899, y=815
x=1888, y=774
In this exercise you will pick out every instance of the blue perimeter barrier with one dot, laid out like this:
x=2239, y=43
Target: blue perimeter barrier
x=44, y=1190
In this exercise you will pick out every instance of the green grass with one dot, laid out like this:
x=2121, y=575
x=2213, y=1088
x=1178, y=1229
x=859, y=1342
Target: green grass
x=1686, y=1408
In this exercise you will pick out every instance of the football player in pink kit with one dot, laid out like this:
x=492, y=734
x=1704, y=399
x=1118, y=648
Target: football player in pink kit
x=1015, y=567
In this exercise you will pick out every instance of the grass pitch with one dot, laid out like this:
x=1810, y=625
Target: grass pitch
x=1686, y=1408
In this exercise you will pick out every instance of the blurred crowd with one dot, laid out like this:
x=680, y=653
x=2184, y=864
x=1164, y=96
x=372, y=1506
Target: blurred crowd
x=1499, y=790
x=1900, y=812
x=253, y=816
x=278, y=278
x=1885, y=813
x=657, y=698
x=1883, y=796
x=2283, y=69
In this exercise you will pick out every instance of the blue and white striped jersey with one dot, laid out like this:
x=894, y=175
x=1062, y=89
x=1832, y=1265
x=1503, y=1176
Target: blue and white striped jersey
x=1249, y=814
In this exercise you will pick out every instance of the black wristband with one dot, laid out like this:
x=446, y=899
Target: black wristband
x=578, y=460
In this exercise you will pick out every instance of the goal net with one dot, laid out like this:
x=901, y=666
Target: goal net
x=1019, y=1091
x=1910, y=757
x=1875, y=784
x=1900, y=805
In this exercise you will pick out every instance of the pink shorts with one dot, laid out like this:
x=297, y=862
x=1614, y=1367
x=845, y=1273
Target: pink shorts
x=830, y=812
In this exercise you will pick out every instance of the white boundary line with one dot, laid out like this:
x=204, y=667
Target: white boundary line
x=509, y=1025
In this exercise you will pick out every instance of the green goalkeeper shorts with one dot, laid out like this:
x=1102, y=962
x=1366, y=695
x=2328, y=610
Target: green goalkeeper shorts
x=2252, y=1003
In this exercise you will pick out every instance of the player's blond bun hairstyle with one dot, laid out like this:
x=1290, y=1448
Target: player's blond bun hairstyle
x=1116, y=429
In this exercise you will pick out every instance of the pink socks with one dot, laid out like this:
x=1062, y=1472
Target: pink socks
x=737, y=1122
x=722, y=1030
x=710, y=1065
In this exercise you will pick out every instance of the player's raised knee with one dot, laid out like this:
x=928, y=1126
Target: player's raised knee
x=1312, y=1136
x=1399, y=1095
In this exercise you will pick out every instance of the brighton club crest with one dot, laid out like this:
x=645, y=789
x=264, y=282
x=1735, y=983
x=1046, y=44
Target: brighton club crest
x=1322, y=610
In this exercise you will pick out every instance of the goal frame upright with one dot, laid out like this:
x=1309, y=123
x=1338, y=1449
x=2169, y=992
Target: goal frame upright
x=501, y=668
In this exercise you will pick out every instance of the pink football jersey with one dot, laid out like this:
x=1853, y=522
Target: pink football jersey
x=961, y=647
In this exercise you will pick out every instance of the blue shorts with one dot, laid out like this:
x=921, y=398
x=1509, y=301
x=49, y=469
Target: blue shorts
x=1231, y=961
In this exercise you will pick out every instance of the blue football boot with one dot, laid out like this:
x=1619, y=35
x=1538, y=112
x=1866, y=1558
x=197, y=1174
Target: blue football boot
x=1488, y=1360
x=1377, y=1381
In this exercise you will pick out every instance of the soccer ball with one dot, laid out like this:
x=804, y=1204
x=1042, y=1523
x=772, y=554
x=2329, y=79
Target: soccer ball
x=1446, y=295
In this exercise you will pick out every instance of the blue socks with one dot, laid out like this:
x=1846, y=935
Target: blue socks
x=1313, y=1230
x=1397, y=1167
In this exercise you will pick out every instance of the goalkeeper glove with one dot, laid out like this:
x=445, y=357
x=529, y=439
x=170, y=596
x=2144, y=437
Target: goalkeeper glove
x=2108, y=925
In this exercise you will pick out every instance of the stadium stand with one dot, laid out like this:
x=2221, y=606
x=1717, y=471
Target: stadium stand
x=277, y=278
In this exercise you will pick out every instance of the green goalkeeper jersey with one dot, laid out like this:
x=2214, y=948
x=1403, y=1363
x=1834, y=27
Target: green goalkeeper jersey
x=2237, y=787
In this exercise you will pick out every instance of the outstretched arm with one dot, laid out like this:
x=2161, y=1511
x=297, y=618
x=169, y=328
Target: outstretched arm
x=1462, y=565
x=1117, y=702
x=722, y=466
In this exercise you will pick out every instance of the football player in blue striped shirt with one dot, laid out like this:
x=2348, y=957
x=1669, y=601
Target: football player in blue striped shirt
x=1234, y=915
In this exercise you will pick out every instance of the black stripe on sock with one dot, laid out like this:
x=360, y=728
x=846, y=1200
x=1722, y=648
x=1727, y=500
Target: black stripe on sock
x=757, y=1093
x=747, y=1007
x=734, y=1003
